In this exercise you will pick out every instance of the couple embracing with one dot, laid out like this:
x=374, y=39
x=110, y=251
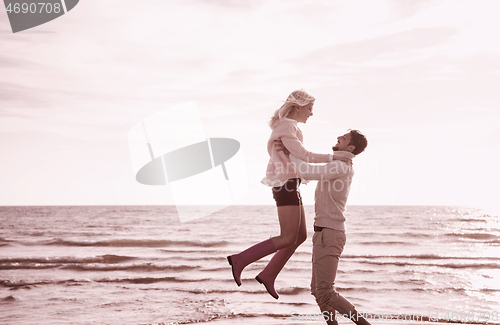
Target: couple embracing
x=290, y=163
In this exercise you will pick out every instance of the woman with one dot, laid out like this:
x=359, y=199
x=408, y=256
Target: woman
x=283, y=178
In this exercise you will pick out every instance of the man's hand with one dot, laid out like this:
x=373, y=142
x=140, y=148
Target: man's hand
x=344, y=159
x=281, y=147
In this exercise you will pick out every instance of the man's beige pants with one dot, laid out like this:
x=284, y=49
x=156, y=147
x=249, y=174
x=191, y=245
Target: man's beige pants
x=328, y=245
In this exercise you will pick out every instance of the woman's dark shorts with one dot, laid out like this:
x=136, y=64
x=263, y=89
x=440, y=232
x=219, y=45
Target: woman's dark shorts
x=288, y=193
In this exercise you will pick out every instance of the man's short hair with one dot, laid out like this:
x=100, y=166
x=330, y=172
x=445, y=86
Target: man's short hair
x=358, y=140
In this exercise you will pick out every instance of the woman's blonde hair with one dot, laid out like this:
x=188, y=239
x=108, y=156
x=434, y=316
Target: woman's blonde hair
x=297, y=98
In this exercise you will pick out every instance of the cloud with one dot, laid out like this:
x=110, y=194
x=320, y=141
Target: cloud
x=14, y=62
x=388, y=65
x=13, y=95
x=233, y=4
x=409, y=8
x=389, y=50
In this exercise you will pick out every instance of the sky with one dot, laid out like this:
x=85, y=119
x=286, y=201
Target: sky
x=419, y=78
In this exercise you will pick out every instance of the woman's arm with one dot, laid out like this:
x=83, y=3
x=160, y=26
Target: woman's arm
x=331, y=171
x=295, y=147
x=281, y=147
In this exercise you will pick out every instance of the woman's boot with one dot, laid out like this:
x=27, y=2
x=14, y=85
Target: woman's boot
x=273, y=268
x=250, y=255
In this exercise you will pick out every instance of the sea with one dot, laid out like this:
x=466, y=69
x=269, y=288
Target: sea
x=140, y=265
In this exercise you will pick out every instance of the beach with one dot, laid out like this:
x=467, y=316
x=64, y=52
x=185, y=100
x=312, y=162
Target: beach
x=140, y=265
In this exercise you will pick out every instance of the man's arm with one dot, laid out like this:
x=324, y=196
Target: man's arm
x=337, y=156
x=332, y=170
x=295, y=147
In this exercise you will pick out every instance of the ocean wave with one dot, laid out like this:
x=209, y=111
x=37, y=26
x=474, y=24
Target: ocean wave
x=282, y=291
x=293, y=291
x=488, y=290
x=444, y=265
x=15, y=266
x=16, y=284
x=100, y=264
x=147, y=267
x=187, y=251
x=107, y=259
x=20, y=284
x=136, y=243
x=23, y=284
x=95, y=263
x=385, y=243
x=220, y=257
x=484, y=237
x=216, y=291
x=226, y=291
x=8, y=299
x=473, y=220
x=4, y=241
x=415, y=234
x=420, y=257
x=215, y=316
x=148, y=280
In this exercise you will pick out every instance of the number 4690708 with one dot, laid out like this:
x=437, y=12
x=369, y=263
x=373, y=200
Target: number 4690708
x=33, y=8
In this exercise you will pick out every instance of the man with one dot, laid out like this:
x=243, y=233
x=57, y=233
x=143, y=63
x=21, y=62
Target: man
x=334, y=181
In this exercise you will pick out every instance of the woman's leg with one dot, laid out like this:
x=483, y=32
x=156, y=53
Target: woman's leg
x=290, y=217
x=276, y=264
